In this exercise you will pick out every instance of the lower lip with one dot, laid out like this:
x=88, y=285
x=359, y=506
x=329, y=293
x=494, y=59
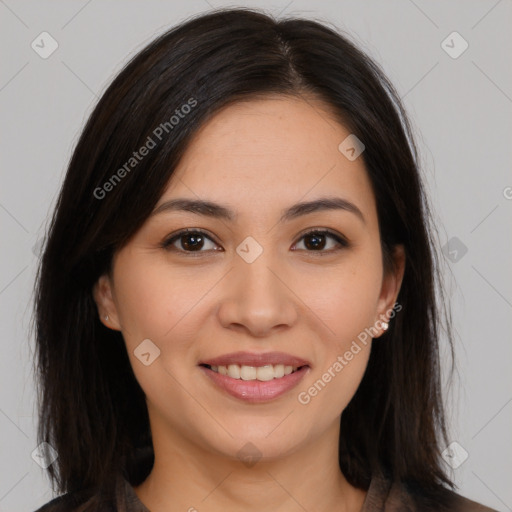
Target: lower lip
x=256, y=391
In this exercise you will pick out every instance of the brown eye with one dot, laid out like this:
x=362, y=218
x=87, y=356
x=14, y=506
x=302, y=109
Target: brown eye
x=316, y=241
x=189, y=241
x=192, y=242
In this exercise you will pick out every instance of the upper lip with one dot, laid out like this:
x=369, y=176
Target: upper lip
x=256, y=359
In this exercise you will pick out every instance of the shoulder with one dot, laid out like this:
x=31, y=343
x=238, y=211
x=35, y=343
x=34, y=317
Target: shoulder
x=83, y=501
x=465, y=504
x=439, y=500
x=69, y=502
x=387, y=496
x=114, y=495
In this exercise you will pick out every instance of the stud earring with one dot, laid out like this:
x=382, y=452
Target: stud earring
x=106, y=318
x=385, y=326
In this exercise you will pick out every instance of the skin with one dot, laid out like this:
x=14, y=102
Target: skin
x=258, y=158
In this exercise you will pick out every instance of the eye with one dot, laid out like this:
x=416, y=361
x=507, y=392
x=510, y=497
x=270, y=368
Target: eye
x=189, y=240
x=317, y=240
x=195, y=240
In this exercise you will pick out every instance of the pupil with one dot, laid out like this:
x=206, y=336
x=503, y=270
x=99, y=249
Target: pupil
x=192, y=242
x=318, y=242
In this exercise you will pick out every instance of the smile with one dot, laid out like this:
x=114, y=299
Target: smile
x=261, y=373
x=255, y=384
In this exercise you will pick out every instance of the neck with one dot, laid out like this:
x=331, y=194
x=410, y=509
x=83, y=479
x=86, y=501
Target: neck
x=186, y=476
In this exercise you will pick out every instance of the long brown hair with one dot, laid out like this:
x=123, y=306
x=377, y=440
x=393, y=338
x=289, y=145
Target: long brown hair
x=92, y=410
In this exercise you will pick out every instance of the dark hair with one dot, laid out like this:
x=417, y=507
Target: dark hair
x=92, y=409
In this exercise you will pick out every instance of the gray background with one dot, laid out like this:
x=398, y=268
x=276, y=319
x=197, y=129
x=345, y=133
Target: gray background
x=461, y=109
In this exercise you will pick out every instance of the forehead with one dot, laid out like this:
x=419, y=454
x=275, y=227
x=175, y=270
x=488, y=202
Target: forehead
x=271, y=151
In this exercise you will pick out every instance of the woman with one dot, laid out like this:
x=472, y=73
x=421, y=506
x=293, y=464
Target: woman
x=236, y=307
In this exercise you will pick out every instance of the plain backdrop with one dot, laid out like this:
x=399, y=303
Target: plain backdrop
x=460, y=105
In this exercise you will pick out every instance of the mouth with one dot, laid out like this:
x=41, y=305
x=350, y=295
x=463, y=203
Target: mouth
x=255, y=376
x=263, y=373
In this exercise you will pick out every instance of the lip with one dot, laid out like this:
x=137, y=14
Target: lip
x=256, y=359
x=255, y=391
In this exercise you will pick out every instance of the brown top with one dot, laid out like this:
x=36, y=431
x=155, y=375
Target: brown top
x=382, y=496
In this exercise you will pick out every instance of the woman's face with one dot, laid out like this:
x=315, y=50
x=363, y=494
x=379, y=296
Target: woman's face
x=256, y=282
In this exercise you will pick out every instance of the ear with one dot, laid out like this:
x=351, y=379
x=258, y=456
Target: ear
x=391, y=283
x=102, y=294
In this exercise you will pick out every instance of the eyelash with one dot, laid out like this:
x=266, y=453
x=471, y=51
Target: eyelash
x=167, y=243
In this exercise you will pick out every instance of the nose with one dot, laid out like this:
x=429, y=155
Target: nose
x=258, y=298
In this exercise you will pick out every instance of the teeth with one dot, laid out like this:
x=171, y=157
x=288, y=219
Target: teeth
x=234, y=371
x=278, y=371
x=248, y=372
x=265, y=372
x=262, y=373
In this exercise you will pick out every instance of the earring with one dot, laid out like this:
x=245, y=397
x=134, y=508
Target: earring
x=385, y=326
x=106, y=318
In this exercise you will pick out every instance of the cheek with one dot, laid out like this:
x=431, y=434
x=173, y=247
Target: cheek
x=333, y=385
x=344, y=298
x=344, y=301
x=167, y=308
x=154, y=302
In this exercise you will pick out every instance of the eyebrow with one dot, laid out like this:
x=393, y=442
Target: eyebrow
x=211, y=209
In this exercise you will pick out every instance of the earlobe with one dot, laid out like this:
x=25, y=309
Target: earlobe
x=102, y=294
